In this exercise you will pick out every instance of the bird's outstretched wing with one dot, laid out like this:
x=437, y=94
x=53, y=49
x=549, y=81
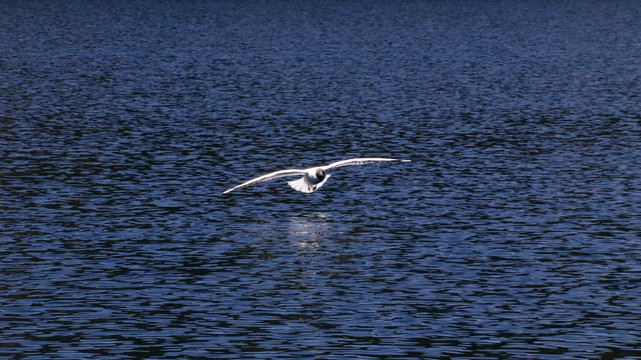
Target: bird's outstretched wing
x=273, y=175
x=358, y=161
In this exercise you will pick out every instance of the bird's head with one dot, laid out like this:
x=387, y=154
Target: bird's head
x=320, y=173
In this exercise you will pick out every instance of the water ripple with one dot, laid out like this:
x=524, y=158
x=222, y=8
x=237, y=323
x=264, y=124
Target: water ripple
x=513, y=233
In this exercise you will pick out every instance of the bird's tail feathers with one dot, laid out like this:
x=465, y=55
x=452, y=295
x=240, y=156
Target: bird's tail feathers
x=303, y=186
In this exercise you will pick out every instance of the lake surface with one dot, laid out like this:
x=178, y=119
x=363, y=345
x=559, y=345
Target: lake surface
x=514, y=232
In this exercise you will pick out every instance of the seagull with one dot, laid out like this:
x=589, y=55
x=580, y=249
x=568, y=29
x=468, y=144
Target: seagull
x=314, y=177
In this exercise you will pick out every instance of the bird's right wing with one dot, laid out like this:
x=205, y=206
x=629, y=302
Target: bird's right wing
x=359, y=161
x=273, y=175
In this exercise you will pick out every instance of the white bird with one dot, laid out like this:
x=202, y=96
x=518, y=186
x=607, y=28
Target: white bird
x=313, y=178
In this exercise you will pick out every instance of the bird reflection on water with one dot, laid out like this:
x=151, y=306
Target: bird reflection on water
x=308, y=230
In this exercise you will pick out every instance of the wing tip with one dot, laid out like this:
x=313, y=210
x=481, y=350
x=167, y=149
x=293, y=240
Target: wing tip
x=230, y=190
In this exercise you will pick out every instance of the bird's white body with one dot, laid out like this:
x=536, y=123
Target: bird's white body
x=314, y=177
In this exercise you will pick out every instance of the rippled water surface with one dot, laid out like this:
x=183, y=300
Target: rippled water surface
x=514, y=232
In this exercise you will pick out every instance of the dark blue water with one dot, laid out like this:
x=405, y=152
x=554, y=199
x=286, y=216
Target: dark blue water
x=514, y=232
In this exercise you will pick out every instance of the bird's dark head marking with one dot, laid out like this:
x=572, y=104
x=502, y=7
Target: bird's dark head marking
x=320, y=173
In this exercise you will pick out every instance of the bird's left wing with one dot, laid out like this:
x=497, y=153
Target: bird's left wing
x=359, y=161
x=273, y=175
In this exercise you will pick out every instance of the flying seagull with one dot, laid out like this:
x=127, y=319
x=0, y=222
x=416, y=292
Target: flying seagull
x=314, y=177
